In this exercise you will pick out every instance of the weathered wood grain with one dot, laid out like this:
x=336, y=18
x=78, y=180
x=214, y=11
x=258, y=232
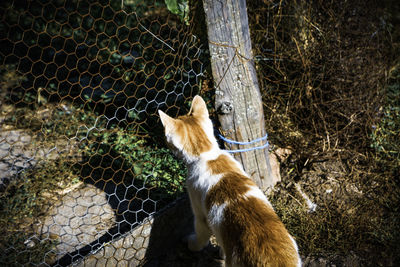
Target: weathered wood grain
x=238, y=99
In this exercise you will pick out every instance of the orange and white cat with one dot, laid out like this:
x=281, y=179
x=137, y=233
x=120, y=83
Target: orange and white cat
x=224, y=200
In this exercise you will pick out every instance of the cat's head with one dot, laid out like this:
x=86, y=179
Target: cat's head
x=192, y=134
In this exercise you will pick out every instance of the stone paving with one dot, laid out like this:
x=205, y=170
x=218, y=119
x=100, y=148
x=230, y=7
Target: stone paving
x=80, y=217
x=80, y=214
x=14, y=156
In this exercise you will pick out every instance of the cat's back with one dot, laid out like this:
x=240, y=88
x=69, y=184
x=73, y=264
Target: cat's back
x=246, y=225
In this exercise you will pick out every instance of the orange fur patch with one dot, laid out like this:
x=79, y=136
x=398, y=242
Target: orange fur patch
x=228, y=189
x=250, y=229
x=194, y=138
x=222, y=164
x=254, y=234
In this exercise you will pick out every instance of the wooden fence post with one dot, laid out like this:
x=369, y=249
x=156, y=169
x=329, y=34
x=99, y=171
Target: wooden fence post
x=238, y=99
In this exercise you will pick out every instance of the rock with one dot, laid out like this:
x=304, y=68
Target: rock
x=77, y=219
x=157, y=236
x=14, y=155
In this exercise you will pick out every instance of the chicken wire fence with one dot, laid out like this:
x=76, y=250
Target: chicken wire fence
x=80, y=81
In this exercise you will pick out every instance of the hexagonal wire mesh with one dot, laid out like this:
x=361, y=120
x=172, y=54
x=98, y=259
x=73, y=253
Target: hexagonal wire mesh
x=79, y=81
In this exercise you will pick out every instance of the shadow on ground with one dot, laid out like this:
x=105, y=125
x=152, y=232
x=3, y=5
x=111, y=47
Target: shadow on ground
x=166, y=246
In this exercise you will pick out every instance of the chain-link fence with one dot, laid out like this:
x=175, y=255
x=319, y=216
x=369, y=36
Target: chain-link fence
x=81, y=82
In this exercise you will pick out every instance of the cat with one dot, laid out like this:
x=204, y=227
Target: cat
x=224, y=200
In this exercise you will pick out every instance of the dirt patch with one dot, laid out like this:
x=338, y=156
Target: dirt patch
x=354, y=222
x=330, y=82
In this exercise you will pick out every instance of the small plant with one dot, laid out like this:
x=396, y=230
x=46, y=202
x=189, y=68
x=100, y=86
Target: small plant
x=385, y=137
x=142, y=163
x=180, y=8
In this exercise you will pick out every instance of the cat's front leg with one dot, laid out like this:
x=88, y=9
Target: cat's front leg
x=201, y=237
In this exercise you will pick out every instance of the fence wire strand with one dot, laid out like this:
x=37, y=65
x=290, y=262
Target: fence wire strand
x=81, y=82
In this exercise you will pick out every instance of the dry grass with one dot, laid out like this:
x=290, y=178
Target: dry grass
x=330, y=82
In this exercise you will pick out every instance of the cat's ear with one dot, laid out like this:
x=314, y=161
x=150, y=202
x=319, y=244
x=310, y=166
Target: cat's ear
x=199, y=107
x=167, y=121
